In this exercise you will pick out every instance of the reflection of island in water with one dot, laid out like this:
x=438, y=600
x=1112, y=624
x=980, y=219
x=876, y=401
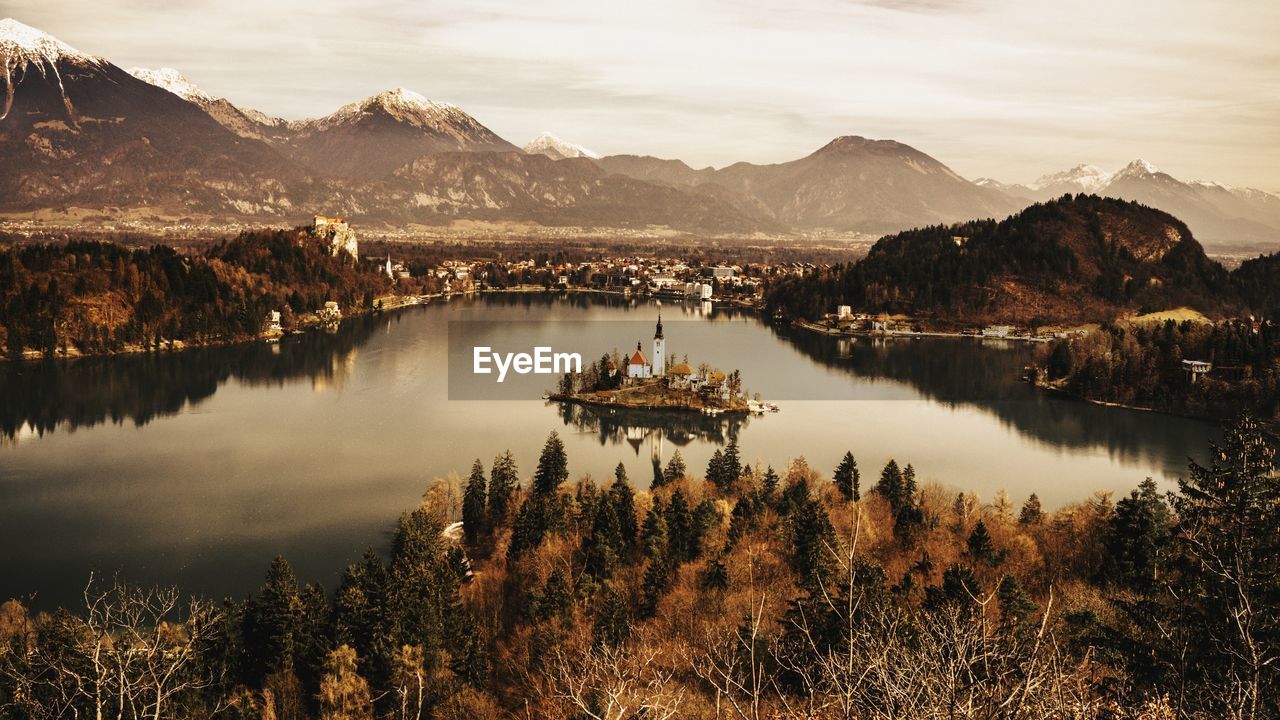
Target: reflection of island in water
x=39, y=397
x=614, y=426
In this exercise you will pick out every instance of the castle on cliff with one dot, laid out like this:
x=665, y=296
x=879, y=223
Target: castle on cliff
x=339, y=234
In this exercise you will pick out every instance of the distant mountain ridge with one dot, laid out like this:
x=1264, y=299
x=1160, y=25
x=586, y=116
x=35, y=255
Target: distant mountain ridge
x=1221, y=216
x=80, y=133
x=245, y=122
x=852, y=183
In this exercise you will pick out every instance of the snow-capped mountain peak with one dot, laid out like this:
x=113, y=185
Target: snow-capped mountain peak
x=409, y=100
x=555, y=148
x=1088, y=178
x=171, y=80
x=1137, y=168
x=403, y=105
x=21, y=45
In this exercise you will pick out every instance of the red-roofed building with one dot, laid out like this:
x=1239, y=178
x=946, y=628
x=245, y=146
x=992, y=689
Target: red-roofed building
x=637, y=366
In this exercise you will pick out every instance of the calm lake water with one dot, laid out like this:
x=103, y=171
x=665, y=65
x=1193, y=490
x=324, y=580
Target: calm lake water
x=197, y=468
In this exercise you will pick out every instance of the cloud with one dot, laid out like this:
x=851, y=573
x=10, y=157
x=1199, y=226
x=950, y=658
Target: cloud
x=992, y=87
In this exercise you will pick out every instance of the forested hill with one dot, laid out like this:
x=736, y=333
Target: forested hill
x=94, y=297
x=1077, y=258
x=1258, y=280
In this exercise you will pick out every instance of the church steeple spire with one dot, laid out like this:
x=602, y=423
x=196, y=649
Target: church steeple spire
x=657, y=335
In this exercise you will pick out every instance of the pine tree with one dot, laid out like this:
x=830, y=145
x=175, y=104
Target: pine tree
x=361, y=613
x=731, y=468
x=553, y=467
x=715, y=577
x=623, y=501
x=812, y=538
x=715, y=469
x=909, y=485
x=654, y=540
x=274, y=621
x=959, y=588
x=981, y=547
x=1031, y=514
x=675, y=468
x=657, y=580
x=604, y=547
x=557, y=597
x=744, y=518
x=613, y=620
x=890, y=486
x=474, y=497
x=770, y=483
x=587, y=499
x=315, y=636
x=679, y=528
x=793, y=497
x=527, y=529
x=1137, y=538
x=705, y=517
x=846, y=477
x=425, y=579
x=503, y=479
x=1015, y=606
x=1229, y=536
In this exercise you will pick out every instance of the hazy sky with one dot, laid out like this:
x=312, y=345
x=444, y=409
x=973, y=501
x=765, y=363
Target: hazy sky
x=1001, y=88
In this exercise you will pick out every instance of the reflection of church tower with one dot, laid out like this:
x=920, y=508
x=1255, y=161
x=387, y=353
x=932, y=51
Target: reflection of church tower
x=655, y=445
x=635, y=437
x=659, y=351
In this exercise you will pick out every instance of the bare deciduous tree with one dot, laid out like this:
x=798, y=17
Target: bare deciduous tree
x=130, y=656
x=605, y=683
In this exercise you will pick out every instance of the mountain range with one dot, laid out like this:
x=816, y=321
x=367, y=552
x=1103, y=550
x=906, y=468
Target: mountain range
x=1219, y=215
x=85, y=137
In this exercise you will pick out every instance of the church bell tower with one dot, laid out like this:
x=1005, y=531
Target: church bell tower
x=659, y=351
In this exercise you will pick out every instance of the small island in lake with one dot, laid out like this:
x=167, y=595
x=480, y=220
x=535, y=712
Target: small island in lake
x=641, y=383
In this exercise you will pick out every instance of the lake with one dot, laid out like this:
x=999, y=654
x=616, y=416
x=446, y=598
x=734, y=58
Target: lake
x=196, y=468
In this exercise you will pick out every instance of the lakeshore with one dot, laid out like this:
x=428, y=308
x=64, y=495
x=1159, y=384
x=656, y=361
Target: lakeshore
x=894, y=333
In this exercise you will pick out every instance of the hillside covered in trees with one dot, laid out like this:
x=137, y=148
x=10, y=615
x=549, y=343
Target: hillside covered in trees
x=746, y=594
x=95, y=297
x=1141, y=366
x=1076, y=259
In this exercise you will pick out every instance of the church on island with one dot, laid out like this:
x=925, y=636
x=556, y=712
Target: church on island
x=639, y=368
x=656, y=382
